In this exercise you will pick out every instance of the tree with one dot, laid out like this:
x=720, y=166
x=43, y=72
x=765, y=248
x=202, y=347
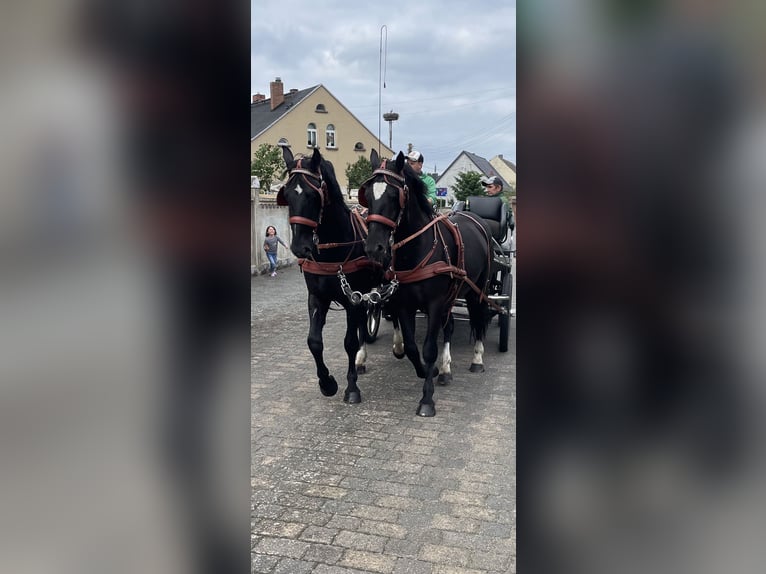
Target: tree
x=467, y=184
x=267, y=164
x=358, y=172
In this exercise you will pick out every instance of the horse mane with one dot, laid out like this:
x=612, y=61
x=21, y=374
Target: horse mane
x=333, y=188
x=418, y=190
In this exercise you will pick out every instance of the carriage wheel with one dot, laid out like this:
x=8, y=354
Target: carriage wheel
x=504, y=320
x=373, y=323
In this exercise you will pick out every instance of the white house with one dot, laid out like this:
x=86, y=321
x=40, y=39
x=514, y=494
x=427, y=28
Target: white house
x=463, y=163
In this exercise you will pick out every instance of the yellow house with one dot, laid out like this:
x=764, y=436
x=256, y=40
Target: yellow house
x=308, y=118
x=505, y=169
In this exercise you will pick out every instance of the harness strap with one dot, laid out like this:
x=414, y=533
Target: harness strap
x=426, y=227
x=360, y=233
x=303, y=221
x=330, y=268
x=382, y=219
x=359, y=223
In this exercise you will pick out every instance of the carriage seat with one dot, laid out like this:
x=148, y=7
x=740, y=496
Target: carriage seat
x=494, y=211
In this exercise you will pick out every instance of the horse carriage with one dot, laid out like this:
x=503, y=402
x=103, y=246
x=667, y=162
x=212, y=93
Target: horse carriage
x=402, y=257
x=500, y=286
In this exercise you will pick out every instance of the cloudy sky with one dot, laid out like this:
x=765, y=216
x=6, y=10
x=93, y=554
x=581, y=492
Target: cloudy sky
x=449, y=66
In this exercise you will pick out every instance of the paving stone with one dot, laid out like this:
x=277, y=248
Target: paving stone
x=443, y=569
x=409, y=566
x=375, y=513
x=444, y=555
x=318, y=534
x=492, y=561
x=463, y=498
x=323, y=553
x=387, y=529
x=263, y=564
x=371, y=561
x=281, y=547
x=360, y=541
x=314, y=517
x=279, y=529
x=290, y=566
x=445, y=522
x=325, y=569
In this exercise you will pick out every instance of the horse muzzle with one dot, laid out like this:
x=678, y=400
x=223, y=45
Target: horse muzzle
x=379, y=253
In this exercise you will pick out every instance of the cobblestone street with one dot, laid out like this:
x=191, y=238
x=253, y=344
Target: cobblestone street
x=372, y=487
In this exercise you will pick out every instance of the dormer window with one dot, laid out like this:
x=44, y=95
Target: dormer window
x=320, y=109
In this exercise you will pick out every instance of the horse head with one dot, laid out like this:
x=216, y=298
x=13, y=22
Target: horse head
x=397, y=202
x=304, y=194
x=384, y=195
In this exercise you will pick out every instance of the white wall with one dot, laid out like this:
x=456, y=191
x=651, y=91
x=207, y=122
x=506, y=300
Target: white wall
x=447, y=179
x=265, y=214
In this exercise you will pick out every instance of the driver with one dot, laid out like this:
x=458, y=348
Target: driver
x=415, y=159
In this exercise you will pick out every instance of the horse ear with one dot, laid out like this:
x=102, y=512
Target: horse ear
x=374, y=159
x=281, y=196
x=316, y=159
x=361, y=196
x=399, y=162
x=287, y=155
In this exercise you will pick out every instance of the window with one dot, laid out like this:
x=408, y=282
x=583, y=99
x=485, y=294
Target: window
x=283, y=142
x=312, y=135
x=358, y=146
x=330, y=131
x=320, y=109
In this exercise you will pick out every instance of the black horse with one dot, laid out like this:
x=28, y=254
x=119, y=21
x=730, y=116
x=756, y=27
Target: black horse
x=328, y=240
x=433, y=259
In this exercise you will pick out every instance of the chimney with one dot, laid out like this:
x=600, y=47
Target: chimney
x=258, y=98
x=277, y=93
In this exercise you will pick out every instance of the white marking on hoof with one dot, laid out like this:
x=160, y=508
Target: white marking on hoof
x=361, y=356
x=478, y=353
x=446, y=360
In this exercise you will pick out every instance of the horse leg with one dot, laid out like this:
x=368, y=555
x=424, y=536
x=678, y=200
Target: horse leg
x=445, y=372
x=356, y=317
x=360, y=361
x=407, y=324
x=477, y=315
x=427, y=407
x=398, y=346
x=477, y=363
x=317, y=315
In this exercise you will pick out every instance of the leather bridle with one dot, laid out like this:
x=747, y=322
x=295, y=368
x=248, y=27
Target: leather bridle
x=321, y=189
x=403, y=196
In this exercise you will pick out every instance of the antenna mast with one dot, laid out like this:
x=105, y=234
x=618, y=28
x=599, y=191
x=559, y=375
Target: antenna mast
x=381, y=82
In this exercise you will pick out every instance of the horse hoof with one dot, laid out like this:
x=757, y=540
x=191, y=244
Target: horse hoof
x=361, y=369
x=476, y=368
x=444, y=379
x=328, y=387
x=398, y=355
x=426, y=410
x=352, y=398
